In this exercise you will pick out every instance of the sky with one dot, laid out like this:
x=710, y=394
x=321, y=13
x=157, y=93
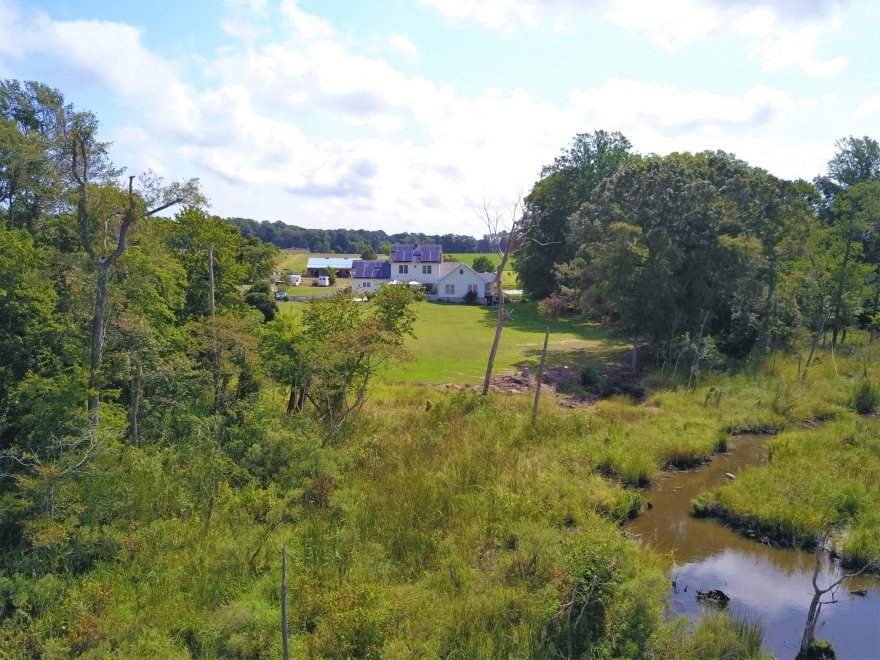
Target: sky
x=416, y=115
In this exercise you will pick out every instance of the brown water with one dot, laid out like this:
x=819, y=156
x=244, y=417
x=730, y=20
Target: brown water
x=769, y=585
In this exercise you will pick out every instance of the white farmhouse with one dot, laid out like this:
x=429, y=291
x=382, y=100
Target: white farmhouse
x=416, y=263
x=457, y=279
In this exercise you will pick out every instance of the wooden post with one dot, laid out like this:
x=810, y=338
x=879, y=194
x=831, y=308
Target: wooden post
x=285, y=649
x=540, y=375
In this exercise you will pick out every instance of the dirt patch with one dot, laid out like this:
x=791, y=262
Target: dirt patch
x=601, y=383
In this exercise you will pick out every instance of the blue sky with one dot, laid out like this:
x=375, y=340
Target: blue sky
x=411, y=115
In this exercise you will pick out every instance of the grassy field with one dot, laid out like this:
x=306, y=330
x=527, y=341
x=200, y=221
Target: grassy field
x=452, y=342
x=468, y=258
x=292, y=261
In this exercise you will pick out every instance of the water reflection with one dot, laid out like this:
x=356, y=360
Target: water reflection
x=767, y=584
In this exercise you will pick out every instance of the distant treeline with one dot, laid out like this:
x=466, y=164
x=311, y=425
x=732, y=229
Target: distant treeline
x=350, y=240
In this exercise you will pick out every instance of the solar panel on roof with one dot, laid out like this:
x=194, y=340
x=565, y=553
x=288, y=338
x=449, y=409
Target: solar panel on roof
x=431, y=253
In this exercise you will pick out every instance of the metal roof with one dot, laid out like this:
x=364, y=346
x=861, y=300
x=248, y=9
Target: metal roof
x=329, y=262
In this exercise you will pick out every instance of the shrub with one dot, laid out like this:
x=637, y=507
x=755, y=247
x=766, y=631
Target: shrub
x=470, y=297
x=865, y=397
x=590, y=377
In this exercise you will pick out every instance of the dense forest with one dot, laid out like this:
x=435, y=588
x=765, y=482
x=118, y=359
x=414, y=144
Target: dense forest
x=165, y=429
x=703, y=245
x=352, y=241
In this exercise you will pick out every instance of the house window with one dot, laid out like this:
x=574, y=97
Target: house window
x=472, y=288
x=461, y=271
x=450, y=289
x=368, y=284
x=403, y=269
x=426, y=270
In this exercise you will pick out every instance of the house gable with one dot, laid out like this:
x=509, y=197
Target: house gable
x=456, y=279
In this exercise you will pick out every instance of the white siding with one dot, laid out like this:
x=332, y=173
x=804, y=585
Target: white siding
x=415, y=272
x=455, y=285
x=364, y=285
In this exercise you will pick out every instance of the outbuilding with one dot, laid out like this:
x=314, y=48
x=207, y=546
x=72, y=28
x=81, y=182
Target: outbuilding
x=320, y=266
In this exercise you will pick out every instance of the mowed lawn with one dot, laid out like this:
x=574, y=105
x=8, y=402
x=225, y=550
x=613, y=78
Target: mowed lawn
x=452, y=342
x=468, y=258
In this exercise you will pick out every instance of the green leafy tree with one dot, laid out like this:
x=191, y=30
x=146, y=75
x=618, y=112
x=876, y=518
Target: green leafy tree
x=393, y=310
x=30, y=328
x=483, y=264
x=563, y=187
x=332, y=357
x=712, y=233
x=368, y=254
x=194, y=231
x=260, y=296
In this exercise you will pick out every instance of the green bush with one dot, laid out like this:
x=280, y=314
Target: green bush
x=865, y=397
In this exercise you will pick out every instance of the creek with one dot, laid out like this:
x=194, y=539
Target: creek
x=769, y=585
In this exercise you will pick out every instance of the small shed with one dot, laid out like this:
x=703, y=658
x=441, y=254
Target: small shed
x=319, y=266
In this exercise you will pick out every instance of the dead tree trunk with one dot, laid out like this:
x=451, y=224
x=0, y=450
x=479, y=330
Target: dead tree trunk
x=540, y=375
x=215, y=343
x=499, y=325
x=838, y=297
x=137, y=388
x=819, y=334
x=81, y=146
x=519, y=229
x=809, y=636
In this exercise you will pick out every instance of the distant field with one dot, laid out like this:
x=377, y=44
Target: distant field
x=294, y=261
x=468, y=258
x=452, y=343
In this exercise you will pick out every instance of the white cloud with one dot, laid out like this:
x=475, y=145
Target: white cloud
x=780, y=34
x=869, y=107
x=103, y=54
x=498, y=14
x=671, y=24
x=403, y=44
x=303, y=127
x=666, y=108
x=779, y=47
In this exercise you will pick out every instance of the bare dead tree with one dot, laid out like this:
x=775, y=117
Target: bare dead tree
x=809, y=636
x=540, y=376
x=215, y=344
x=517, y=226
x=819, y=333
x=153, y=198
